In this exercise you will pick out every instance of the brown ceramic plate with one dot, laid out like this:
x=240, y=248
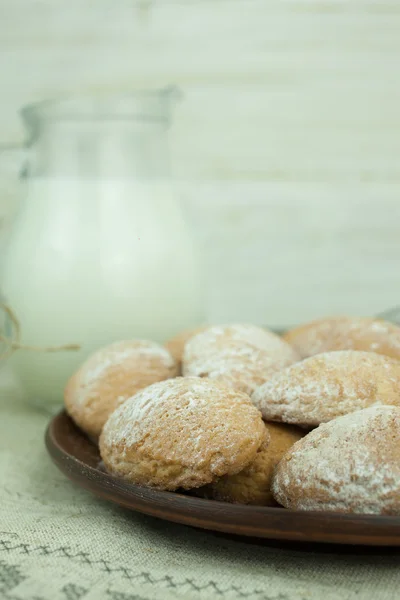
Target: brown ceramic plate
x=79, y=459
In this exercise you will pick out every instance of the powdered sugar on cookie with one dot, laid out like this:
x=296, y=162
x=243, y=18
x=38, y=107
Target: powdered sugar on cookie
x=351, y=464
x=241, y=356
x=111, y=376
x=182, y=433
x=148, y=353
x=329, y=385
x=346, y=333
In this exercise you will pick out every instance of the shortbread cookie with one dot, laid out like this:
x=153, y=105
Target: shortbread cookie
x=111, y=376
x=253, y=484
x=176, y=345
x=240, y=356
x=326, y=386
x=350, y=465
x=346, y=333
x=182, y=433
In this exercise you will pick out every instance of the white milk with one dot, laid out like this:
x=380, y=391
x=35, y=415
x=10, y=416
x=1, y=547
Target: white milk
x=91, y=262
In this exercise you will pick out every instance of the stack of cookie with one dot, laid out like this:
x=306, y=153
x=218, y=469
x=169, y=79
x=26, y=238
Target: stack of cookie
x=309, y=421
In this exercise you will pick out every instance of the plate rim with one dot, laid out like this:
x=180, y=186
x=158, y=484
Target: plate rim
x=215, y=515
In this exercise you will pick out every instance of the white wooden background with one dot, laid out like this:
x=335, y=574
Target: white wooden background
x=288, y=137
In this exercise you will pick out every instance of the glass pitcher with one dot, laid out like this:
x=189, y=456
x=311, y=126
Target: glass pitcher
x=99, y=250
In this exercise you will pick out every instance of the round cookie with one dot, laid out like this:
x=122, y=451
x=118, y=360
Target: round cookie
x=346, y=333
x=182, y=433
x=112, y=375
x=176, y=345
x=242, y=357
x=326, y=386
x=253, y=484
x=350, y=465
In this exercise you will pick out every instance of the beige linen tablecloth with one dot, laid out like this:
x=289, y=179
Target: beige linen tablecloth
x=57, y=542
